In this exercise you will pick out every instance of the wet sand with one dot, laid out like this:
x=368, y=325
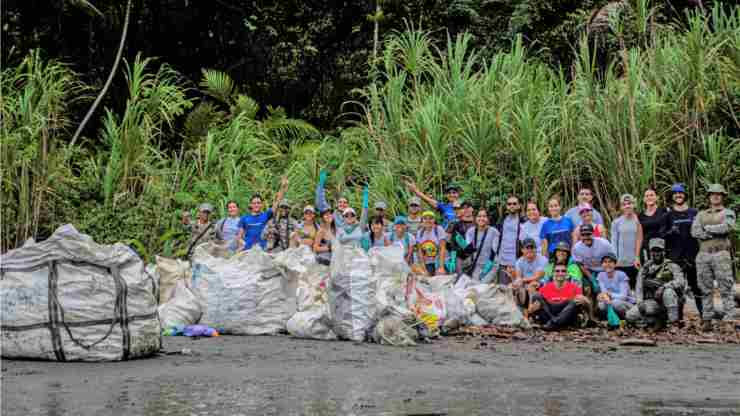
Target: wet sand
x=286, y=376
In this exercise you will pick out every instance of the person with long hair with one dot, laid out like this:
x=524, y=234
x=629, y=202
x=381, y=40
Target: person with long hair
x=626, y=238
x=533, y=225
x=325, y=237
x=558, y=228
x=376, y=237
x=654, y=220
x=482, y=241
x=307, y=229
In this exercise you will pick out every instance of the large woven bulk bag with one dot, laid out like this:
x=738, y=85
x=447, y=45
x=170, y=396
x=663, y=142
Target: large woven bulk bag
x=351, y=293
x=70, y=299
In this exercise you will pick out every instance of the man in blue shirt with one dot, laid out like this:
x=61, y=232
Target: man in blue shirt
x=252, y=225
x=447, y=210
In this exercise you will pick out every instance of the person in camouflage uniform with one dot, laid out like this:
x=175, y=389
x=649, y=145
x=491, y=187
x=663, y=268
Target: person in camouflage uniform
x=712, y=227
x=660, y=289
x=203, y=230
x=279, y=229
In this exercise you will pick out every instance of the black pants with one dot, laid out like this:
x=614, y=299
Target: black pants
x=631, y=272
x=689, y=270
x=559, y=315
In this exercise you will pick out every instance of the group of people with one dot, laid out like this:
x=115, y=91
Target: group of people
x=559, y=267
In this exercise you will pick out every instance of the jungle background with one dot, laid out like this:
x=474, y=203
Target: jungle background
x=216, y=100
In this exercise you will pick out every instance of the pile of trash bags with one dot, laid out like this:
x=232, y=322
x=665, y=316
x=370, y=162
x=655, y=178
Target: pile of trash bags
x=361, y=296
x=70, y=299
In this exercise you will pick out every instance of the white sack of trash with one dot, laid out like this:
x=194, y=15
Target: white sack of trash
x=70, y=299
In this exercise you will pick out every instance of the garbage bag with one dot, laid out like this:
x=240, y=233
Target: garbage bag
x=183, y=308
x=390, y=273
x=243, y=294
x=303, y=276
x=455, y=308
x=70, y=299
x=427, y=305
x=393, y=330
x=312, y=324
x=171, y=271
x=496, y=305
x=351, y=293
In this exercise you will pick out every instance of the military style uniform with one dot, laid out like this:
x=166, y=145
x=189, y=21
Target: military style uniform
x=660, y=291
x=277, y=233
x=712, y=227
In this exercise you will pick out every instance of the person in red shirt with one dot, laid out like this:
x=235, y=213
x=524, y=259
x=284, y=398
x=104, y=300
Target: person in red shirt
x=556, y=303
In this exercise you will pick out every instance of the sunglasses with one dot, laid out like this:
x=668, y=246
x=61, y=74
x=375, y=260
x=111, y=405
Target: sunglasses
x=560, y=271
x=512, y=203
x=348, y=215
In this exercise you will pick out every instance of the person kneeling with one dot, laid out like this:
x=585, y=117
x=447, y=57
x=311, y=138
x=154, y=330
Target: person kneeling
x=556, y=303
x=615, y=289
x=660, y=289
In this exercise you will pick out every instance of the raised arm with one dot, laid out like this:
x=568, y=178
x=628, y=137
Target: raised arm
x=321, y=202
x=428, y=199
x=365, y=206
x=280, y=194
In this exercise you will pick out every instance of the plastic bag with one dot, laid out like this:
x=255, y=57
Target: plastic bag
x=392, y=330
x=612, y=317
x=390, y=273
x=351, y=293
x=311, y=324
x=496, y=305
x=428, y=306
x=183, y=308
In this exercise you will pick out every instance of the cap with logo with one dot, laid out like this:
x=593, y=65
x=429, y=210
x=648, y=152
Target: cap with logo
x=586, y=229
x=657, y=243
x=529, y=243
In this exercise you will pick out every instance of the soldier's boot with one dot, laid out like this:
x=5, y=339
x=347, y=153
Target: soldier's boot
x=728, y=328
x=706, y=325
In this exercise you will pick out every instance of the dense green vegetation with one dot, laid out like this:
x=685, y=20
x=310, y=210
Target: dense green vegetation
x=664, y=107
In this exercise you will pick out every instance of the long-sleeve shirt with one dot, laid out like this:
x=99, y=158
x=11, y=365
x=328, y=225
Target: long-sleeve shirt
x=354, y=233
x=625, y=234
x=712, y=223
x=668, y=274
x=680, y=245
x=617, y=286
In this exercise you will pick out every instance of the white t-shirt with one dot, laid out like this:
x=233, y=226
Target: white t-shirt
x=532, y=230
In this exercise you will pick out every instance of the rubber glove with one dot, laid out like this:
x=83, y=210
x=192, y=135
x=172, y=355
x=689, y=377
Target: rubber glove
x=365, y=198
x=323, y=175
x=487, y=267
x=461, y=242
x=451, y=263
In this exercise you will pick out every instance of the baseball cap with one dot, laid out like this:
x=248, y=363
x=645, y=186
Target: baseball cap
x=563, y=246
x=584, y=207
x=380, y=205
x=609, y=256
x=309, y=208
x=627, y=198
x=529, y=242
x=284, y=203
x=452, y=186
x=586, y=229
x=400, y=220
x=657, y=243
x=414, y=200
x=349, y=210
x=678, y=188
x=205, y=207
x=427, y=214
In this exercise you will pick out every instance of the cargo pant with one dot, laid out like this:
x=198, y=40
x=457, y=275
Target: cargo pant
x=650, y=311
x=716, y=266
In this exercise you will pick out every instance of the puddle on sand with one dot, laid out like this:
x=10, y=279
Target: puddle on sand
x=686, y=408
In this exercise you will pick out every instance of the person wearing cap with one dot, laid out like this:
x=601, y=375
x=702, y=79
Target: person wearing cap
x=614, y=288
x=253, y=224
x=431, y=244
x=203, y=230
x=588, y=254
x=681, y=247
x=626, y=238
x=227, y=229
x=280, y=229
x=414, y=218
x=713, y=228
x=585, y=196
x=660, y=289
x=654, y=220
x=457, y=257
x=556, y=303
x=533, y=225
x=380, y=210
x=529, y=268
x=322, y=204
x=562, y=255
x=586, y=212
x=353, y=231
x=401, y=236
x=306, y=231
x=558, y=228
x=482, y=241
x=446, y=209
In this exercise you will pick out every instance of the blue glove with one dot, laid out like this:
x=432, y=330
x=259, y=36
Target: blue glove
x=365, y=198
x=451, y=263
x=484, y=274
x=323, y=175
x=461, y=242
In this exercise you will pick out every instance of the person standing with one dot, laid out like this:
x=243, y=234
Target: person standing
x=227, y=229
x=380, y=209
x=432, y=244
x=203, y=231
x=307, y=229
x=414, y=218
x=353, y=231
x=252, y=224
x=585, y=196
x=533, y=225
x=279, y=229
x=322, y=243
x=682, y=248
x=509, y=248
x=654, y=220
x=322, y=204
x=558, y=228
x=660, y=289
x=376, y=236
x=712, y=227
x=481, y=243
x=626, y=238
x=401, y=236
x=446, y=209
x=457, y=257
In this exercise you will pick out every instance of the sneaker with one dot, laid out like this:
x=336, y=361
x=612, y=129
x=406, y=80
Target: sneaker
x=549, y=326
